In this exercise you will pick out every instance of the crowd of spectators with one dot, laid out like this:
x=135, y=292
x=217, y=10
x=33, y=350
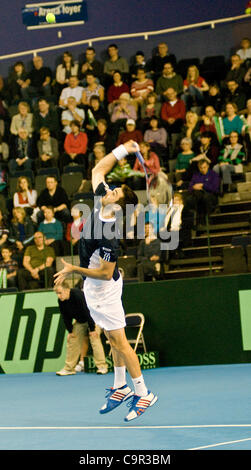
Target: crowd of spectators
x=193, y=129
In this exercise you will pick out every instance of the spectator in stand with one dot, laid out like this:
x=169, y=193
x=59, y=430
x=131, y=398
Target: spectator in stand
x=141, y=87
x=121, y=112
x=25, y=196
x=169, y=79
x=230, y=160
x=95, y=112
x=179, y=219
x=234, y=94
x=214, y=97
x=72, y=90
x=246, y=131
x=247, y=82
x=116, y=89
x=75, y=146
x=4, y=229
x=149, y=255
x=73, y=231
x=102, y=134
x=47, y=148
x=162, y=57
x=232, y=122
x=245, y=50
x=4, y=150
x=45, y=116
x=209, y=147
x=90, y=64
x=10, y=265
x=92, y=89
x=16, y=80
x=38, y=82
x=21, y=229
x=204, y=189
x=157, y=137
x=22, y=156
x=194, y=88
x=72, y=113
x=191, y=127
x=184, y=157
x=173, y=112
x=55, y=196
x=236, y=72
x=139, y=62
x=131, y=133
x=115, y=62
x=152, y=165
x=121, y=173
x=52, y=230
x=64, y=71
x=207, y=121
x=99, y=152
x=23, y=119
x=151, y=107
x=156, y=134
x=38, y=268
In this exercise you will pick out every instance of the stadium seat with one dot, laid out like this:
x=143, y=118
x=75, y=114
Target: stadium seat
x=28, y=173
x=40, y=183
x=70, y=182
x=75, y=169
x=183, y=65
x=53, y=171
x=213, y=68
x=234, y=260
x=128, y=267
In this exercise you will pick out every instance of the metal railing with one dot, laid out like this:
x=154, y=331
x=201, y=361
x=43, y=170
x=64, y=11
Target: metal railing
x=145, y=35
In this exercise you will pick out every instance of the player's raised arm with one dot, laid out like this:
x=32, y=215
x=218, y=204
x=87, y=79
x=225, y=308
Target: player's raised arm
x=107, y=163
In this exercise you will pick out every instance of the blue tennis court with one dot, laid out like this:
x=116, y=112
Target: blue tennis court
x=200, y=407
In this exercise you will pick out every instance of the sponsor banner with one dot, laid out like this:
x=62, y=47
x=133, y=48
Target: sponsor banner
x=245, y=317
x=67, y=13
x=33, y=335
x=147, y=360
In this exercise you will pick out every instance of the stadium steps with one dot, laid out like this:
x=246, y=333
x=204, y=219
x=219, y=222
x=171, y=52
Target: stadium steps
x=193, y=272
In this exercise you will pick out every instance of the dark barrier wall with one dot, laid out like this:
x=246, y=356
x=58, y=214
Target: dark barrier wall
x=189, y=322
x=194, y=321
x=111, y=17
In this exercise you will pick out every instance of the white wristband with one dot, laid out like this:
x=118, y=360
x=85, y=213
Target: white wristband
x=120, y=152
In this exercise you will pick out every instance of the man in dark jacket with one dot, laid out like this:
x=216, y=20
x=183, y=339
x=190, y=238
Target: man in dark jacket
x=80, y=327
x=204, y=188
x=55, y=196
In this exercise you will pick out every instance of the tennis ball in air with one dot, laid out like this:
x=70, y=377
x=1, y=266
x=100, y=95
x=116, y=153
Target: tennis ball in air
x=50, y=18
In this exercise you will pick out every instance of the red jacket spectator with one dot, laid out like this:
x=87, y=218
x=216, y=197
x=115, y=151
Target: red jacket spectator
x=177, y=111
x=76, y=143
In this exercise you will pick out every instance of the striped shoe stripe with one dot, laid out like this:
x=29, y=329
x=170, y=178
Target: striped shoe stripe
x=118, y=396
x=143, y=402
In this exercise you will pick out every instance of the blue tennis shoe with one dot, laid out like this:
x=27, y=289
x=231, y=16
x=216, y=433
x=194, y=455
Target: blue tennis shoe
x=115, y=396
x=138, y=405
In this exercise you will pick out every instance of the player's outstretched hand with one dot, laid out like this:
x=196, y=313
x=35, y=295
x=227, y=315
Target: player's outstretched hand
x=131, y=146
x=61, y=275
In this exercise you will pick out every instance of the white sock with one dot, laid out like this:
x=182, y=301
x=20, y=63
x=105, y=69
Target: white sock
x=119, y=377
x=139, y=386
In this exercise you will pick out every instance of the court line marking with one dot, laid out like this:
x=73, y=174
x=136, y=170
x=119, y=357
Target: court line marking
x=220, y=444
x=189, y=426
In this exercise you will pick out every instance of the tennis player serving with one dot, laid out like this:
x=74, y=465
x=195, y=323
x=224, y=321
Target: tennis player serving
x=103, y=284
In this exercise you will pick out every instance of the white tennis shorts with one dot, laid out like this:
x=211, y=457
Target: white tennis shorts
x=103, y=299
